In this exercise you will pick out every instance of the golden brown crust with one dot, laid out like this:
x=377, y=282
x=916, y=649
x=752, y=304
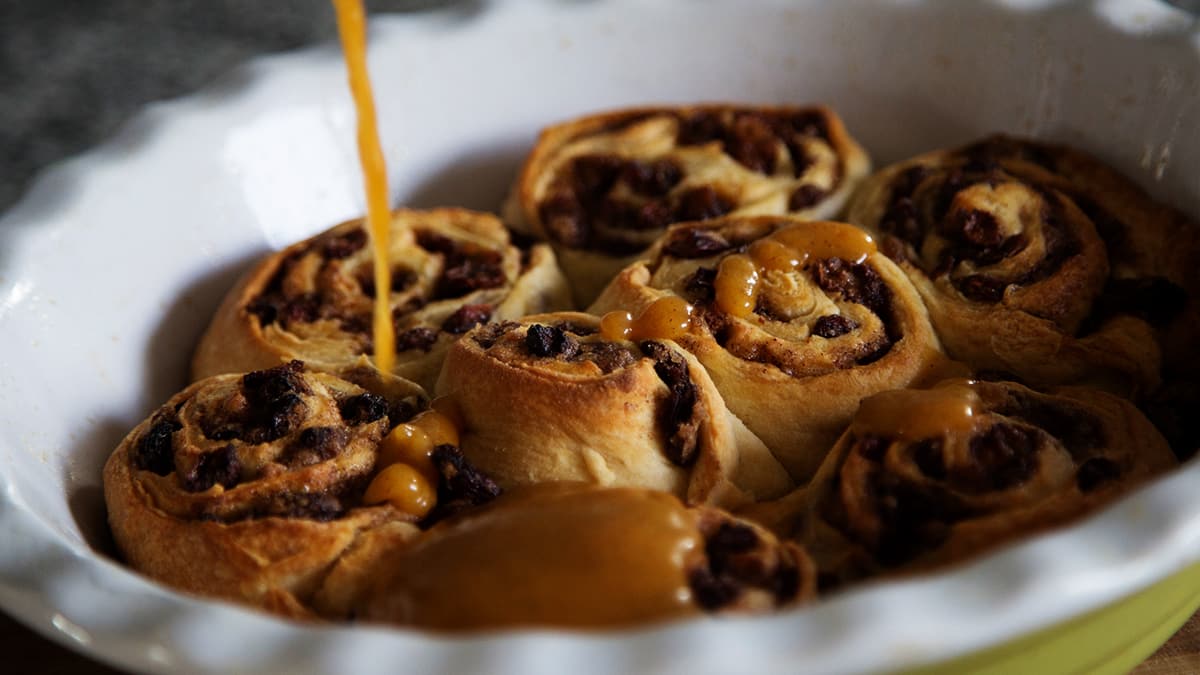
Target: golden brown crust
x=792, y=387
x=1029, y=462
x=602, y=188
x=1037, y=260
x=312, y=301
x=584, y=408
x=217, y=499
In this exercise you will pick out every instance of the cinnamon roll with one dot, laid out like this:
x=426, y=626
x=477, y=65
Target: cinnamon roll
x=248, y=487
x=602, y=188
x=576, y=556
x=923, y=478
x=1039, y=261
x=554, y=398
x=452, y=269
x=795, y=322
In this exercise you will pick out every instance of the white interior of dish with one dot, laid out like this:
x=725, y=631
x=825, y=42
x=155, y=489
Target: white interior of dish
x=112, y=265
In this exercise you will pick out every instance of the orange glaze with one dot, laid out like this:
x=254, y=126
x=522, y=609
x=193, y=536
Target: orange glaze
x=555, y=554
x=917, y=414
x=405, y=488
x=795, y=246
x=664, y=319
x=353, y=32
x=412, y=443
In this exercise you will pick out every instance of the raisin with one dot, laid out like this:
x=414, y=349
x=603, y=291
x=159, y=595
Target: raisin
x=695, y=242
x=928, y=457
x=698, y=128
x=595, y=174
x=302, y=309
x=464, y=274
x=344, y=245
x=263, y=386
x=550, y=341
x=712, y=592
x=1079, y=431
x=654, y=178
x=460, y=485
x=316, y=444
x=489, y=335
x=276, y=419
x=153, y=451
x=702, y=203
x=981, y=288
x=466, y=318
x=421, y=337
x=681, y=407
x=700, y=286
x=730, y=538
x=752, y=143
x=805, y=197
x=855, y=282
x=1003, y=456
x=219, y=467
x=363, y=409
x=564, y=219
x=833, y=325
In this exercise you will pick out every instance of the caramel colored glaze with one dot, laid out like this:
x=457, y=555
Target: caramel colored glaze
x=787, y=249
x=352, y=28
x=664, y=319
x=412, y=443
x=559, y=554
x=918, y=414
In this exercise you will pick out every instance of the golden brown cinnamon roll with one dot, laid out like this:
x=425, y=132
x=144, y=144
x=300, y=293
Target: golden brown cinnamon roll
x=551, y=398
x=570, y=555
x=248, y=487
x=1037, y=260
x=452, y=269
x=602, y=188
x=795, y=322
x=928, y=477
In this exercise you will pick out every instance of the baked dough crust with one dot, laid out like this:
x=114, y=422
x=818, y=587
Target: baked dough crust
x=679, y=163
x=313, y=300
x=793, y=388
x=600, y=411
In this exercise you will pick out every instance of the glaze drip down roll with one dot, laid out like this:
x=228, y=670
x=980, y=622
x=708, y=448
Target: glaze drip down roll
x=1038, y=261
x=550, y=398
x=928, y=477
x=602, y=188
x=248, y=487
x=452, y=269
x=795, y=322
x=576, y=556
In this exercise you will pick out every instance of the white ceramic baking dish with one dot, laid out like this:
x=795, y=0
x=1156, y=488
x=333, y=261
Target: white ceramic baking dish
x=112, y=264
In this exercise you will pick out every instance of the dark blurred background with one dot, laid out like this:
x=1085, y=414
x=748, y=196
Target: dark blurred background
x=71, y=71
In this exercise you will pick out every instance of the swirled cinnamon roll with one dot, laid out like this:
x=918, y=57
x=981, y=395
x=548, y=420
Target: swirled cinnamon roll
x=248, y=487
x=1037, y=260
x=452, y=269
x=569, y=555
x=794, y=321
x=928, y=477
x=557, y=397
x=602, y=188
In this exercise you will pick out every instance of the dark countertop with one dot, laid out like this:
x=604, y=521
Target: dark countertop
x=71, y=71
